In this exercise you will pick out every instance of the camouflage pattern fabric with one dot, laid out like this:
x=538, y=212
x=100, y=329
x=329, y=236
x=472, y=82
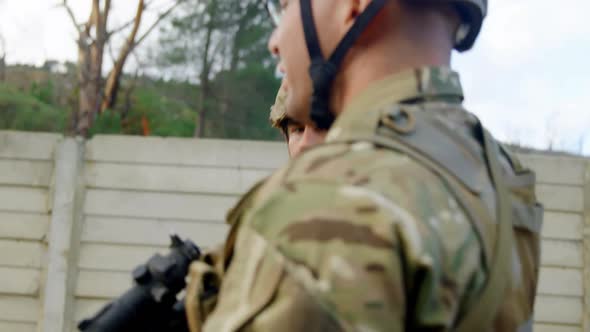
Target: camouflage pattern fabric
x=200, y=298
x=206, y=275
x=354, y=236
x=210, y=268
x=278, y=110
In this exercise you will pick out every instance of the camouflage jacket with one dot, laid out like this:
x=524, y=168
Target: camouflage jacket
x=354, y=235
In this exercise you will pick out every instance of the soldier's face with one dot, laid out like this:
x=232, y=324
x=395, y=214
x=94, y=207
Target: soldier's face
x=301, y=137
x=288, y=43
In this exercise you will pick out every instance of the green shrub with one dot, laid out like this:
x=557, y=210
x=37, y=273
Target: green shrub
x=23, y=111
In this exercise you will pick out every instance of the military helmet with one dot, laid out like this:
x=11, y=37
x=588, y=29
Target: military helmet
x=472, y=13
x=278, y=111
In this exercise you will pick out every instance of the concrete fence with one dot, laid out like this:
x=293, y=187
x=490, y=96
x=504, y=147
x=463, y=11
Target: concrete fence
x=76, y=217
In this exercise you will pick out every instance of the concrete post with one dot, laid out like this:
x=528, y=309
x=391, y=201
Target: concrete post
x=63, y=237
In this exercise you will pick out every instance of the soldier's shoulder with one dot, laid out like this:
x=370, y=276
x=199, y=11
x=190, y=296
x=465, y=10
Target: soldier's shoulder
x=350, y=163
x=361, y=164
x=358, y=181
x=343, y=211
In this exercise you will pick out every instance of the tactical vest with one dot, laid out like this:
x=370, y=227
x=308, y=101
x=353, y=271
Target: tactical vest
x=515, y=223
x=510, y=222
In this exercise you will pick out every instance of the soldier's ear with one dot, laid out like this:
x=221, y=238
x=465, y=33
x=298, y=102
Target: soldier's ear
x=350, y=10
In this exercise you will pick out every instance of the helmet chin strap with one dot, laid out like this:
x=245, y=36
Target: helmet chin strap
x=323, y=71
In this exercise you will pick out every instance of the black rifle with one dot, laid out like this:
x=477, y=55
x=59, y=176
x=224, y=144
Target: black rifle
x=151, y=305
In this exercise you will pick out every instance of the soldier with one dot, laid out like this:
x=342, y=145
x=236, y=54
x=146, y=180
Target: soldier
x=410, y=217
x=299, y=137
x=207, y=273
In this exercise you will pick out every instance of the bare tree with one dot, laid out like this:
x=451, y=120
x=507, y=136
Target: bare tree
x=96, y=95
x=2, y=59
x=114, y=77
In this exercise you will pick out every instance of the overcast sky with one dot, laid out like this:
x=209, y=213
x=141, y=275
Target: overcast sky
x=526, y=77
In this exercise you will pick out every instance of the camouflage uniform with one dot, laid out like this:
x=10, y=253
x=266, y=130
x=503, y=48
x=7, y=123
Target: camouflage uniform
x=206, y=275
x=278, y=111
x=389, y=226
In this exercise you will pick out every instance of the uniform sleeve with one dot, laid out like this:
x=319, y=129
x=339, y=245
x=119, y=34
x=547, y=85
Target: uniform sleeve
x=327, y=257
x=203, y=281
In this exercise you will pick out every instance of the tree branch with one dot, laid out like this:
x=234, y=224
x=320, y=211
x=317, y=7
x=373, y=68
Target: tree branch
x=140, y=64
x=158, y=20
x=71, y=15
x=105, y=19
x=219, y=46
x=94, y=19
x=111, y=52
x=136, y=23
x=120, y=28
x=98, y=19
x=126, y=24
x=107, y=10
x=114, y=76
